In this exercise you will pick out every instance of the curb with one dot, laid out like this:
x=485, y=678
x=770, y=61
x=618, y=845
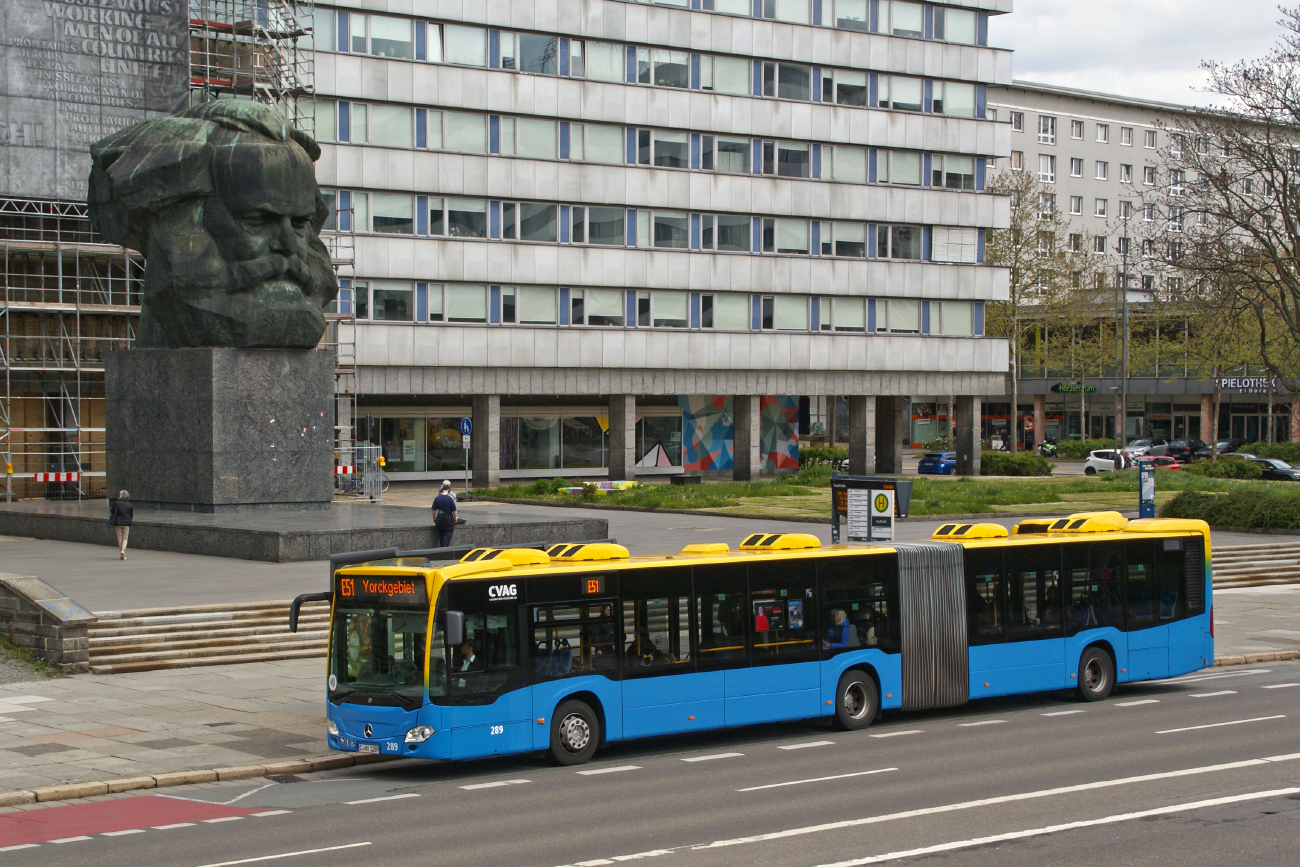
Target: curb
x=1252, y=658
x=74, y=791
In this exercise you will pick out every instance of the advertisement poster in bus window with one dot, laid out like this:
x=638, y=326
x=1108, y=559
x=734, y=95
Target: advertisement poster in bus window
x=796, y=613
x=769, y=614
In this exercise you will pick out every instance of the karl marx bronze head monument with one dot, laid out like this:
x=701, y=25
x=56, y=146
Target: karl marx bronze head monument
x=222, y=201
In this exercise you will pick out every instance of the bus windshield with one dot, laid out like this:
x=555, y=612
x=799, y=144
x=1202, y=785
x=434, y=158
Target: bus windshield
x=378, y=652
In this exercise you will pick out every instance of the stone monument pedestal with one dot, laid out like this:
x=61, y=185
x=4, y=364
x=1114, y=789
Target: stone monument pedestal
x=220, y=430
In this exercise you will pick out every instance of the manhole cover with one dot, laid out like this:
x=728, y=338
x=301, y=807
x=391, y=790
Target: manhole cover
x=285, y=778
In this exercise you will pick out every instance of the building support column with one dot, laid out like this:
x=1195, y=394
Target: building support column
x=485, y=444
x=622, y=437
x=1295, y=418
x=890, y=426
x=862, y=435
x=1208, y=433
x=968, y=435
x=1040, y=419
x=747, y=462
x=830, y=420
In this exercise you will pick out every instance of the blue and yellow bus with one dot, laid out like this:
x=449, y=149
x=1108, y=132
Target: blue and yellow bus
x=517, y=650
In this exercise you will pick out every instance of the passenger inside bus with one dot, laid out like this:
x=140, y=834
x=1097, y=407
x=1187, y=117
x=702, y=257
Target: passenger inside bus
x=644, y=649
x=841, y=633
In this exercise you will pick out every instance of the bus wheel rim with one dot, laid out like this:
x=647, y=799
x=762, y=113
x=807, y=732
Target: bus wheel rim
x=855, y=700
x=1094, y=677
x=575, y=733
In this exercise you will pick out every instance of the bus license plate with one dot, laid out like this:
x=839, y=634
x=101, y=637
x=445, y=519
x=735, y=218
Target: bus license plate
x=367, y=748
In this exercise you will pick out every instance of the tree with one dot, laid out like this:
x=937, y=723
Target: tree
x=1046, y=269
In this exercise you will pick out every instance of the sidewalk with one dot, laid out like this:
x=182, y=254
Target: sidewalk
x=90, y=728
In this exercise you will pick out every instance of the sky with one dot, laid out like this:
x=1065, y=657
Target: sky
x=1148, y=49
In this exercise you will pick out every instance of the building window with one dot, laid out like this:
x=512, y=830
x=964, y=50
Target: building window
x=733, y=75
x=1047, y=168
x=1122, y=246
x=1149, y=175
x=788, y=81
x=848, y=164
x=904, y=94
x=790, y=11
x=844, y=88
x=1126, y=136
x=606, y=61
x=954, y=99
x=849, y=15
x=1125, y=174
x=1103, y=132
x=529, y=221
x=1046, y=204
x=393, y=213
x=1017, y=121
x=464, y=46
x=954, y=245
x=464, y=303
x=1176, y=180
x=1076, y=129
x=1148, y=213
x=902, y=18
x=1076, y=243
x=467, y=218
x=726, y=233
x=597, y=307
x=898, y=242
x=1103, y=170
x=900, y=316
x=900, y=167
x=1125, y=209
x=725, y=311
x=784, y=313
x=1150, y=139
x=1046, y=130
x=603, y=143
x=785, y=235
x=1176, y=146
x=1099, y=208
x=1017, y=160
x=1076, y=167
x=843, y=314
x=955, y=25
x=1076, y=205
x=953, y=173
x=1099, y=244
x=390, y=301
x=844, y=239
x=722, y=154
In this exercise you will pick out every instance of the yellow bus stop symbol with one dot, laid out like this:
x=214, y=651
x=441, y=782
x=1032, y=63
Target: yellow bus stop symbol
x=882, y=503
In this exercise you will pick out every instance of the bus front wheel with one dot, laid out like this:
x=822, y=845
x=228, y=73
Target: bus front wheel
x=857, y=701
x=1096, y=674
x=575, y=733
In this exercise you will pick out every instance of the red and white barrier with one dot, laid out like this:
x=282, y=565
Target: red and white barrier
x=344, y=471
x=58, y=477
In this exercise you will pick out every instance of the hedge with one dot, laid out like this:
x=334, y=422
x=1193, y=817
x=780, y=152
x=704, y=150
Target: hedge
x=1289, y=452
x=1226, y=467
x=814, y=455
x=1077, y=450
x=1242, y=510
x=1019, y=464
x=939, y=444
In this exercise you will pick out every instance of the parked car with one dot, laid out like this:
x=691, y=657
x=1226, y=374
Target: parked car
x=1182, y=450
x=1147, y=446
x=937, y=464
x=1163, y=462
x=1278, y=470
x=1103, y=461
x=1225, y=447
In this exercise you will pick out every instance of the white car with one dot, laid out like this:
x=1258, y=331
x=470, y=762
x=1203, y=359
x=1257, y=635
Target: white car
x=1102, y=461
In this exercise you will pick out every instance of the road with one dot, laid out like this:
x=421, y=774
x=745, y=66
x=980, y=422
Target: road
x=1203, y=770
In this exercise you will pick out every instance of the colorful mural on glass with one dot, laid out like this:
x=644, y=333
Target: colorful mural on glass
x=710, y=429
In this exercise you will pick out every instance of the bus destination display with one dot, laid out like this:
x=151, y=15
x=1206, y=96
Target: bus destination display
x=390, y=588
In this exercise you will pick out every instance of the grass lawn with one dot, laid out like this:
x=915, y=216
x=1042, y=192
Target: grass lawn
x=807, y=494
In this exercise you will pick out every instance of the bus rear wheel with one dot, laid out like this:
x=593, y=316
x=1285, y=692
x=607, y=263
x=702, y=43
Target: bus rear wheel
x=857, y=701
x=575, y=733
x=1096, y=674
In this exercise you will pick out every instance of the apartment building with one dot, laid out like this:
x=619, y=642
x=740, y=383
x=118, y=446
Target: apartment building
x=631, y=238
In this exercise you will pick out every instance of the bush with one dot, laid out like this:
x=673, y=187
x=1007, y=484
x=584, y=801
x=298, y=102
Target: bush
x=543, y=487
x=1244, y=510
x=1226, y=467
x=1077, y=450
x=1289, y=452
x=1019, y=464
x=814, y=455
x=940, y=444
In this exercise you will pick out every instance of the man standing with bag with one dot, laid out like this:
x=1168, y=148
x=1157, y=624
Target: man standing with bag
x=120, y=515
x=444, y=515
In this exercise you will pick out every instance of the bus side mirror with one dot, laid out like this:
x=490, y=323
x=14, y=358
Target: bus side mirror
x=455, y=628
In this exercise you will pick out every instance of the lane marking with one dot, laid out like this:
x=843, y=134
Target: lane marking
x=987, y=722
x=1290, y=757
x=174, y=825
x=1279, y=685
x=19, y=846
x=69, y=839
x=266, y=813
x=494, y=785
x=1212, y=694
x=817, y=779
x=805, y=746
x=1235, y=722
x=899, y=734
x=983, y=802
x=377, y=800
x=1194, y=678
x=712, y=757
x=1062, y=712
x=610, y=770
x=1068, y=826
x=222, y=819
x=1136, y=703
x=249, y=792
x=284, y=855
x=123, y=833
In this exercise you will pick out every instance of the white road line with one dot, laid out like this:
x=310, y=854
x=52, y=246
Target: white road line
x=174, y=825
x=377, y=800
x=805, y=745
x=1235, y=722
x=123, y=833
x=712, y=757
x=1212, y=694
x=69, y=839
x=284, y=855
x=1290, y=757
x=818, y=779
x=494, y=785
x=1279, y=685
x=986, y=722
x=1138, y=702
x=1069, y=826
x=19, y=846
x=610, y=770
x=898, y=734
x=222, y=819
x=1193, y=678
x=265, y=813
x=243, y=795
x=1063, y=712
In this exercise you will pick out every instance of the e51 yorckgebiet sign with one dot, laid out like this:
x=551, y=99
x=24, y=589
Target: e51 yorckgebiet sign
x=73, y=71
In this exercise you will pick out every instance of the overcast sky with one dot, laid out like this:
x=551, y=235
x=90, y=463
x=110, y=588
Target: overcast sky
x=1149, y=49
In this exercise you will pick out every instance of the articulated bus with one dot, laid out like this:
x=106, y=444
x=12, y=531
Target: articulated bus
x=517, y=650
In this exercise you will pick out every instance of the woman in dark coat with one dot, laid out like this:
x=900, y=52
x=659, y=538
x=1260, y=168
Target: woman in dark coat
x=120, y=515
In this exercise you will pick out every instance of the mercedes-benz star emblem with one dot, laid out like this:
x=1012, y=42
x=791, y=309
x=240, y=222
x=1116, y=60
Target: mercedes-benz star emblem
x=369, y=730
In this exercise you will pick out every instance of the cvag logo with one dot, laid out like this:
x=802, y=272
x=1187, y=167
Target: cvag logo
x=503, y=591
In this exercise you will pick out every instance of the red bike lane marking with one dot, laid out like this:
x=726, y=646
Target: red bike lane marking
x=98, y=817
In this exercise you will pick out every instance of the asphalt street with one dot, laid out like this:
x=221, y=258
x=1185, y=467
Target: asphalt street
x=1199, y=770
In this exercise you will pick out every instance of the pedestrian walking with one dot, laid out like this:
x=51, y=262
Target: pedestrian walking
x=444, y=515
x=120, y=515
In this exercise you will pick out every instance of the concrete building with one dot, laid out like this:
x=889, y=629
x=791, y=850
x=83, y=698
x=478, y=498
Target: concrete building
x=1096, y=152
x=628, y=238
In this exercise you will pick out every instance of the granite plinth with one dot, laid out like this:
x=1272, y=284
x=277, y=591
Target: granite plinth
x=220, y=430
x=285, y=537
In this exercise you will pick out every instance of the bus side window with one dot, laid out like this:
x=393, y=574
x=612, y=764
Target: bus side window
x=864, y=591
x=487, y=664
x=573, y=638
x=722, y=618
x=781, y=611
x=1034, y=593
x=1171, y=577
x=656, y=622
x=986, y=596
x=1140, y=584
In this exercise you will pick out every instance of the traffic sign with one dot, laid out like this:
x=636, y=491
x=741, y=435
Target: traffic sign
x=464, y=440
x=466, y=427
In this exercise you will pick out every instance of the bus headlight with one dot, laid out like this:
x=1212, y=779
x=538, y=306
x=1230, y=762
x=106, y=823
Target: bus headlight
x=331, y=727
x=419, y=734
